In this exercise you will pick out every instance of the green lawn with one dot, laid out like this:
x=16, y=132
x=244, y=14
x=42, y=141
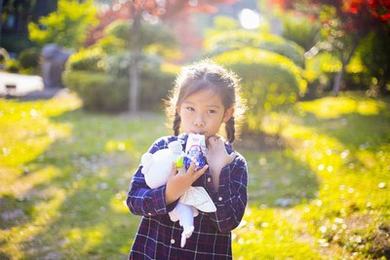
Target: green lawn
x=322, y=193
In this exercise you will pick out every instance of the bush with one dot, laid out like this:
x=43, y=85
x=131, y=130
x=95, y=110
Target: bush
x=154, y=82
x=269, y=81
x=118, y=35
x=98, y=91
x=233, y=40
x=12, y=66
x=109, y=90
x=29, y=59
x=4, y=57
x=14, y=42
x=87, y=60
x=376, y=58
x=300, y=29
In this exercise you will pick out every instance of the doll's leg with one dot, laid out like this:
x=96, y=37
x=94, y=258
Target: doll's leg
x=186, y=220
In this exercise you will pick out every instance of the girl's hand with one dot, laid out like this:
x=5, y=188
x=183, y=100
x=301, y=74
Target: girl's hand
x=179, y=181
x=217, y=157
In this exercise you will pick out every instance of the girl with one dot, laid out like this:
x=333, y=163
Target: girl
x=205, y=97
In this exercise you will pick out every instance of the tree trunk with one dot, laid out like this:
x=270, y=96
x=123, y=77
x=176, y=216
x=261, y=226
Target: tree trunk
x=344, y=62
x=337, y=81
x=133, y=70
x=383, y=87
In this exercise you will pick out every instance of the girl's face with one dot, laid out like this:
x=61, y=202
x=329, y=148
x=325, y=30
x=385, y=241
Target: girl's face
x=203, y=113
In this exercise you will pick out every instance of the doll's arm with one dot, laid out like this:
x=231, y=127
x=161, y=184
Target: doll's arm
x=142, y=200
x=231, y=197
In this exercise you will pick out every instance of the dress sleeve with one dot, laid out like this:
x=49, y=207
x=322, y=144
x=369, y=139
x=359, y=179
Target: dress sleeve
x=142, y=200
x=231, y=197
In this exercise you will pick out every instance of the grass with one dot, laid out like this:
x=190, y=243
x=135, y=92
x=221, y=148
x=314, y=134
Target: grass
x=64, y=174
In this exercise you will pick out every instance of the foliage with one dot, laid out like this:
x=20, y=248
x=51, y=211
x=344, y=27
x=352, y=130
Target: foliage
x=170, y=10
x=106, y=87
x=376, y=58
x=98, y=91
x=221, y=24
x=110, y=57
x=269, y=80
x=231, y=40
x=12, y=65
x=300, y=29
x=118, y=37
x=91, y=59
x=344, y=25
x=155, y=82
x=14, y=42
x=29, y=59
x=67, y=26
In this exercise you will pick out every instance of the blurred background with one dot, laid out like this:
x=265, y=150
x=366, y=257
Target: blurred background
x=82, y=85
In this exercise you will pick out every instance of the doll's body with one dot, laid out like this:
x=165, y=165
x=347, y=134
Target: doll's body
x=157, y=168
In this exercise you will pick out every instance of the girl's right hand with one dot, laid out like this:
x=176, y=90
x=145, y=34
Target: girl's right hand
x=179, y=181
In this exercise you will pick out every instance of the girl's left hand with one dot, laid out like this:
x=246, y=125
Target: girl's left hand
x=217, y=157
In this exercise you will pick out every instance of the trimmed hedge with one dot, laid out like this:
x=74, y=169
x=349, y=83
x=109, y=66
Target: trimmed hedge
x=110, y=91
x=87, y=60
x=98, y=91
x=269, y=80
x=29, y=58
x=233, y=40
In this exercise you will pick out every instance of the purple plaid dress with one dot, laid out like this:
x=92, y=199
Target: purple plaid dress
x=159, y=238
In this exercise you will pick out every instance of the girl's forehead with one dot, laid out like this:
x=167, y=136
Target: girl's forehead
x=207, y=97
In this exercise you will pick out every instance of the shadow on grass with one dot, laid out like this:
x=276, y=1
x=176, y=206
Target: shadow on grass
x=91, y=219
x=277, y=179
x=14, y=211
x=355, y=130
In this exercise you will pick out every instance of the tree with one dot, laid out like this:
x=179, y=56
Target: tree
x=138, y=10
x=344, y=25
x=67, y=26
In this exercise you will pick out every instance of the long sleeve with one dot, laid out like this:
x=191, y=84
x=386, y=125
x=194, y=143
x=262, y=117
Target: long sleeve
x=231, y=197
x=142, y=200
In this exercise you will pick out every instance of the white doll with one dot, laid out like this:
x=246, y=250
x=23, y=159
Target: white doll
x=157, y=168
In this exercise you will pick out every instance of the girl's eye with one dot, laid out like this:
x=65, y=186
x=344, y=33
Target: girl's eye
x=191, y=109
x=212, y=111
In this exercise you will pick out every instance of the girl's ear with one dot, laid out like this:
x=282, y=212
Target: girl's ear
x=228, y=114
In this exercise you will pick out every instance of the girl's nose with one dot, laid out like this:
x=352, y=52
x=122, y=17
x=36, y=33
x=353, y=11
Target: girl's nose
x=199, y=122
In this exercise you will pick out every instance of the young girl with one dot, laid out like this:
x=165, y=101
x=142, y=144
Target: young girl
x=205, y=97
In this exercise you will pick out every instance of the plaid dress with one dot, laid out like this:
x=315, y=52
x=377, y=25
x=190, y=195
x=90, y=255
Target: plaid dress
x=159, y=238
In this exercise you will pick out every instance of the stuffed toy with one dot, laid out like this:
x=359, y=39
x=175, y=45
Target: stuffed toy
x=157, y=167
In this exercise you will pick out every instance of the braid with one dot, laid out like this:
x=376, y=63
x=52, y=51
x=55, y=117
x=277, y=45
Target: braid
x=176, y=124
x=230, y=130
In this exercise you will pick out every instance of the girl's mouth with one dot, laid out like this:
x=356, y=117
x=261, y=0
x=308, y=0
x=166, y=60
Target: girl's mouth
x=199, y=133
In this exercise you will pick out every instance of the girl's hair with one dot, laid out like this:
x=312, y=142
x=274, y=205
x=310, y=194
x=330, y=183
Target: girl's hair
x=207, y=75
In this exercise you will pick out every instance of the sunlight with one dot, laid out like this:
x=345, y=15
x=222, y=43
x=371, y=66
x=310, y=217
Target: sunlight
x=249, y=19
x=335, y=107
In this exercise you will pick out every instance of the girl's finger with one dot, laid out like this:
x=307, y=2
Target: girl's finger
x=174, y=169
x=191, y=169
x=201, y=171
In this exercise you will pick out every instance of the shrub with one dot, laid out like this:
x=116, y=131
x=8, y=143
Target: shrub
x=154, y=82
x=67, y=26
x=87, y=60
x=29, y=59
x=109, y=90
x=233, y=40
x=12, y=65
x=98, y=91
x=269, y=80
x=118, y=35
x=300, y=29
